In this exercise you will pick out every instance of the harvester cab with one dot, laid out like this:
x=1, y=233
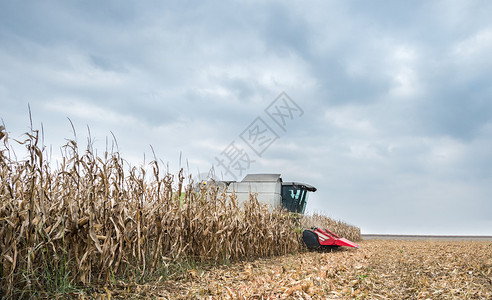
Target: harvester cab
x=292, y=196
x=295, y=195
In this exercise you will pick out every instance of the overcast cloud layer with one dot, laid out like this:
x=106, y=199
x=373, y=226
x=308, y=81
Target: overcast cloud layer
x=396, y=130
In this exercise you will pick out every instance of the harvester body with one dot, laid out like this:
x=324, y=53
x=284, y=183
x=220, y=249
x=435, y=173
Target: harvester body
x=271, y=190
x=292, y=196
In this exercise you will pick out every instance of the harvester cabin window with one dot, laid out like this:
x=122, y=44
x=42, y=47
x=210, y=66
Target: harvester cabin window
x=294, y=198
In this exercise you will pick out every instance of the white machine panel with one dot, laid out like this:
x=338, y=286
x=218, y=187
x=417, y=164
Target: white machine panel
x=267, y=187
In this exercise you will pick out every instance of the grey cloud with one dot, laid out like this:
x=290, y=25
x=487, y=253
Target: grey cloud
x=396, y=96
x=107, y=64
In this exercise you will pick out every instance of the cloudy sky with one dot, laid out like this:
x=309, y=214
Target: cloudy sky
x=386, y=106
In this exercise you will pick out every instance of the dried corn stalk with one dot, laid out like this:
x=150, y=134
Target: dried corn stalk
x=90, y=219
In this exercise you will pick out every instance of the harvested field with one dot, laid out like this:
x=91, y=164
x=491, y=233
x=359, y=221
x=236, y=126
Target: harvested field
x=378, y=270
x=485, y=238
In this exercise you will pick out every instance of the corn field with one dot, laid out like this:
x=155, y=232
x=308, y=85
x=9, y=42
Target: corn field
x=89, y=220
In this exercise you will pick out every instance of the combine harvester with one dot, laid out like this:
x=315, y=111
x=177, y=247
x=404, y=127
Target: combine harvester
x=293, y=196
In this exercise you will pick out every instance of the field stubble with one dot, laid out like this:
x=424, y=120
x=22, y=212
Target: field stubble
x=380, y=269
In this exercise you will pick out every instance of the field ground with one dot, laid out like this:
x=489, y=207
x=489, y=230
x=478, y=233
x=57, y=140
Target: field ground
x=379, y=269
x=427, y=237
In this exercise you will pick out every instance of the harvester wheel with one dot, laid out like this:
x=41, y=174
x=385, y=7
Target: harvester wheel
x=311, y=240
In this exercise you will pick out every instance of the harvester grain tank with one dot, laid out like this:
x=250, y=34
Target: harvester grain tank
x=293, y=196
